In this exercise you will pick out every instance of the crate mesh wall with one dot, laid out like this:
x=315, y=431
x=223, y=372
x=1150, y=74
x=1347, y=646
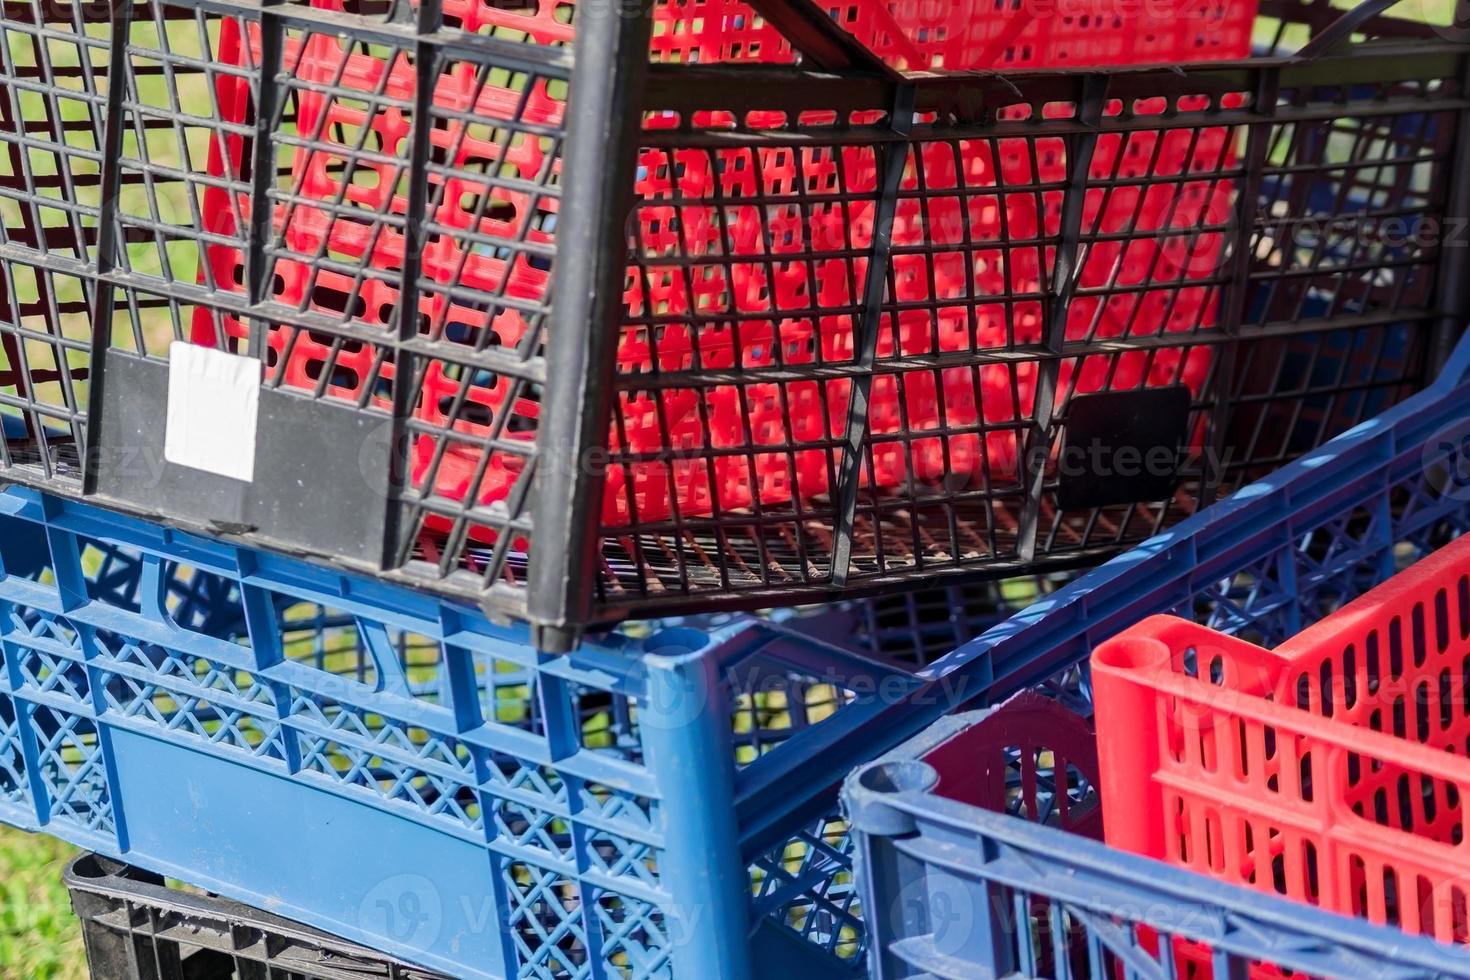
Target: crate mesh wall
x=369, y=200
x=546, y=768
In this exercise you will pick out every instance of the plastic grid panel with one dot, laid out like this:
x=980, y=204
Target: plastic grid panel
x=974, y=220
x=918, y=628
x=1341, y=726
x=543, y=22
x=806, y=887
x=174, y=79
x=1325, y=334
x=406, y=708
x=327, y=283
x=294, y=701
x=494, y=134
x=14, y=793
x=1321, y=260
x=54, y=63
x=772, y=702
x=71, y=771
x=721, y=488
x=61, y=743
x=1282, y=555
x=195, y=697
x=45, y=333
x=1033, y=759
x=963, y=34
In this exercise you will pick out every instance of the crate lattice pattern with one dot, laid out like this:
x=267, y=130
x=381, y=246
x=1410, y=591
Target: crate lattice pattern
x=407, y=270
x=809, y=886
x=363, y=705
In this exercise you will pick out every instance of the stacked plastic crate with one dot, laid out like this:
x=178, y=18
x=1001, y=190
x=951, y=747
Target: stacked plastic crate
x=838, y=345
x=381, y=379
x=1294, y=771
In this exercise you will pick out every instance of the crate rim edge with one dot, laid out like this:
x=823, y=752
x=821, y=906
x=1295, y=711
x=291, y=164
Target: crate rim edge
x=897, y=813
x=440, y=618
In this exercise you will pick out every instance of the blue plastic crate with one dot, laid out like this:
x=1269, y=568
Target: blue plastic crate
x=955, y=892
x=1276, y=556
x=389, y=767
x=400, y=770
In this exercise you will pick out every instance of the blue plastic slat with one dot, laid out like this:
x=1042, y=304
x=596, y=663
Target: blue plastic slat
x=393, y=768
x=935, y=873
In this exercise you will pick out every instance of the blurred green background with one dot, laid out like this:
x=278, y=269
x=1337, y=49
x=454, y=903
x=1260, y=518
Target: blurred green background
x=39, y=937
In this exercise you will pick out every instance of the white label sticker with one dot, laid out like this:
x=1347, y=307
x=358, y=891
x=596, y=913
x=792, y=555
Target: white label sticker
x=213, y=401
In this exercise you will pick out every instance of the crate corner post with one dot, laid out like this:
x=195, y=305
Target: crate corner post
x=604, y=117
x=686, y=729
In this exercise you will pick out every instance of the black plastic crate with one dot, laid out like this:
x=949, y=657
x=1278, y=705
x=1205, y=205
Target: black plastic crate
x=137, y=928
x=819, y=326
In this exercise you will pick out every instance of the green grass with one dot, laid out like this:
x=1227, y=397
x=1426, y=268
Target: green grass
x=39, y=937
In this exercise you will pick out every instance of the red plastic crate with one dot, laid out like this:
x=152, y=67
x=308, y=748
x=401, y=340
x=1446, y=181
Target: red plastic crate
x=951, y=35
x=1331, y=770
x=673, y=208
